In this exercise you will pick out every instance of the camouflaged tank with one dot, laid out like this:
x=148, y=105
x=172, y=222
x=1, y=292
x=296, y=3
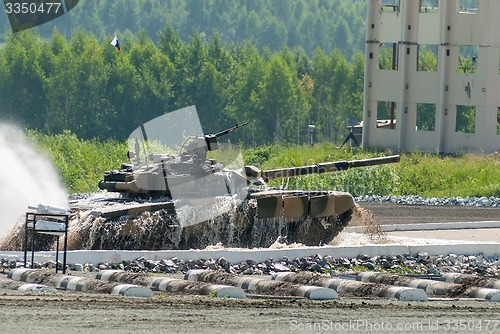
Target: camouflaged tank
x=183, y=189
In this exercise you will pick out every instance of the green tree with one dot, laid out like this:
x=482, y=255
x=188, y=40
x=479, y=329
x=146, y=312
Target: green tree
x=355, y=91
x=89, y=106
x=61, y=86
x=245, y=93
x=323, y=92
x=339, y=118
x=193, y=59
x=153, y=80
x=123, y=95
x=427, y=60
x=466, y=119
x=22, y=84
x=278, y=100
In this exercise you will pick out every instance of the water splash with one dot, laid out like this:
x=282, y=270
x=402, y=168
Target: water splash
x=237, y=226
x=26, y=178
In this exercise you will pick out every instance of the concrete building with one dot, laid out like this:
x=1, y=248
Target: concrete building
x=433, y=69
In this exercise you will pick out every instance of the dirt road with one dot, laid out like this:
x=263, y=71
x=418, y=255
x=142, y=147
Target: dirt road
x=79, y=313
x=388, y=213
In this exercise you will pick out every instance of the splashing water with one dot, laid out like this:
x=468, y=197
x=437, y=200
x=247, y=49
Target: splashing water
x=237, y=226
x=26, y=178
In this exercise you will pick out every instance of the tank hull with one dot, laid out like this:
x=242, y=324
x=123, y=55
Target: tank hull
x=259, y=221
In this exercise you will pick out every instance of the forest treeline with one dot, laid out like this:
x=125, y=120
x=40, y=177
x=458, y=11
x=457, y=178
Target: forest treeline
x=272, y=24
x=88, y=87
x=73, y=79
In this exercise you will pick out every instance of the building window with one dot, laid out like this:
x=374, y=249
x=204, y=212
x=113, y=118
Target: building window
x=469, y=6
x=498, y=121
x=468, y=60
x=390, y=6
x=499, y=62
x=427, y=59
x=388, y=56
x=386, y=115
x=466, y=119
x=426, y=117
x=429, y=6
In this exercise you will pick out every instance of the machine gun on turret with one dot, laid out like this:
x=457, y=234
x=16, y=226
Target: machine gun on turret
x=199, y=146
x=211, y=139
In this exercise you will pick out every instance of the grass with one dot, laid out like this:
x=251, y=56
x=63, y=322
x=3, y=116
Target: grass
x=81, y=164
x=423, y=174
x=470, y=175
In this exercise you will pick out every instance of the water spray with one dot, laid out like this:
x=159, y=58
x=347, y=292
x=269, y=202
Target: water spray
x=27, y=177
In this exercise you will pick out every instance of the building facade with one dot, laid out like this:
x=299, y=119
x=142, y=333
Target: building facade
x=432, y=73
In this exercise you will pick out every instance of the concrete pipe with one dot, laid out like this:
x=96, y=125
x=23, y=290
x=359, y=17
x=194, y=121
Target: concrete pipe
x=432, y=287
x=261, y=285
x=472, y=280
x=169, y=284
x=493, y=295
x=20, y=274
x=77, y=283
x=355, y=288
x=83, y=284
x=107, y=275
x=35, y=288
x=218, y=290
x=131, y=290
x=73, y=283
x=21, y=286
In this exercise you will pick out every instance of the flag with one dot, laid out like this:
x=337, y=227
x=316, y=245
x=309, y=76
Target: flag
x=115, y=43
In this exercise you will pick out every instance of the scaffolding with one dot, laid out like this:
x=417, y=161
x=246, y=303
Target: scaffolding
x=55, y=224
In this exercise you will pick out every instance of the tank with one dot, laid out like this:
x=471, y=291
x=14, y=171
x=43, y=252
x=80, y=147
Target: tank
x=183, y=189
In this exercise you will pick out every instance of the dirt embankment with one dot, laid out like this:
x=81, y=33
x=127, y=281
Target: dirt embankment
x=389, y=213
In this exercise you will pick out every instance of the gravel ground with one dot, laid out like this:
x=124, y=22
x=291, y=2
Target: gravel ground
x=73, y=312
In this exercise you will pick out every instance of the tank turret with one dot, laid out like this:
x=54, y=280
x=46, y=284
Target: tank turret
x=157, y=174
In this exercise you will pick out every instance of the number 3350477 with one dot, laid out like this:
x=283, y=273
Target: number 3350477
x=32, y=8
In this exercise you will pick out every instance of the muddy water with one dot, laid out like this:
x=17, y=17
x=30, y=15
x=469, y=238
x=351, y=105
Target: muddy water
x=160, y=229
x=235, y=225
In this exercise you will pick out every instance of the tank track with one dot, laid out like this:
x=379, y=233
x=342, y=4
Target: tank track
x=160, y=229
x=307, y=231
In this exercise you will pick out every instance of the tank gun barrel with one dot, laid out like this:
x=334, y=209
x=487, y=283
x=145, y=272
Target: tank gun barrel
x=229, y=130
x=327, y=167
